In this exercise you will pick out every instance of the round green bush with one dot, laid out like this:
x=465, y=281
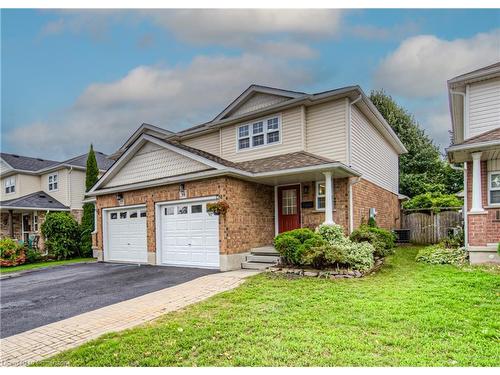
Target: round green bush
x=333, y=234
x=382, y=240
x=62, y=235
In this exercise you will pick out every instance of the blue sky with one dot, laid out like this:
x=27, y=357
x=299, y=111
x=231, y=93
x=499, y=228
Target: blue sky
x=70, y=78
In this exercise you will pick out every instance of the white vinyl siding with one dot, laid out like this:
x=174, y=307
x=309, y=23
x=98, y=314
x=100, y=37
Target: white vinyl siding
x=291, y=140
x=207, y=142
x=153, y=162
x=4, y=167
x=484, y=107
x=326, y=132
x=61, y=194
x=77, y=180
x=258, y=101
x=372, y=155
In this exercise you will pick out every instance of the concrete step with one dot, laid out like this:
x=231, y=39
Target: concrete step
x=265, y=250
x=255, y=265
x=263, y=258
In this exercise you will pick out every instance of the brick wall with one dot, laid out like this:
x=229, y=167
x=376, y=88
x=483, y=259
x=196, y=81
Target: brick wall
x=367, y=195
x=248, y=223
x=4, y=227
x=482, y=228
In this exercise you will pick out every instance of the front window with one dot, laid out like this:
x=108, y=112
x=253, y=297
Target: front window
x=260, y=133
x=494, y=187
x=10, y=185
x=321, y=195
x=53, y=182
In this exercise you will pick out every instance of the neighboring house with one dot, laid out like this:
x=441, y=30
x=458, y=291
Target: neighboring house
x=30, y=187
x=475, y=113
x=280, y=159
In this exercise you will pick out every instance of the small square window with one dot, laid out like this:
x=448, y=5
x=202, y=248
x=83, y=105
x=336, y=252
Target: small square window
x=169, y=210
x=182, y=210
x=258, y=140
x=272, y=124
x=244, y=143
x=258, y=127
x=243, y=131
x=143, y=213
x=196, y=209
x=273, y=137
x=113, y=215
x=53, y=182
x=123, y=215
x=133, y=215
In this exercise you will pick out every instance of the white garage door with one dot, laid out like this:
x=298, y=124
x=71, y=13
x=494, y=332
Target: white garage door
x=126, y=235
x=189, y=236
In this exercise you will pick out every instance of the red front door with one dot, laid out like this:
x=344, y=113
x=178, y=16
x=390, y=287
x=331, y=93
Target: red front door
x=288, y=208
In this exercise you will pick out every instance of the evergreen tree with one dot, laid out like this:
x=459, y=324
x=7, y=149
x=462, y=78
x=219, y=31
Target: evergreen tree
x=91, y=177
x=423, y=168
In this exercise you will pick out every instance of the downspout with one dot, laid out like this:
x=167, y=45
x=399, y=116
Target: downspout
x=349, y=160
x=466, y=236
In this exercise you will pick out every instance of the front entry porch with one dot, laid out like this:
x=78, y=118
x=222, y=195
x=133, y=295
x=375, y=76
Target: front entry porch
x=23, y=226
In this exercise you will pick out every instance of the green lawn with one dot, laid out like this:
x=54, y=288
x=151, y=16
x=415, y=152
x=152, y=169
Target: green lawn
x=52, y=263
x=407, y=314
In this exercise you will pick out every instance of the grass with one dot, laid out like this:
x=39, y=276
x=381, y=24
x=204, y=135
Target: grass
x=52, y=263
x=407, y=314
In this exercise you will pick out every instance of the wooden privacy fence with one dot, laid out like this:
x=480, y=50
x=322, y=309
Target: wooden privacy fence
x=428, y=227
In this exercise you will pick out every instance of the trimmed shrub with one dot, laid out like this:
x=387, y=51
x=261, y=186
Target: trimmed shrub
x=12, y=253
x=382, y=240
x=62, y=235
x=33, y=255
x=292, y=244
x=360, y=256
x=333, y=234
x=371, y=222
x=438, y=254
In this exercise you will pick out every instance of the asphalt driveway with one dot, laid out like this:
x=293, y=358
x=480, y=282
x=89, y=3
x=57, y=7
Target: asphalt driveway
x=46, y=296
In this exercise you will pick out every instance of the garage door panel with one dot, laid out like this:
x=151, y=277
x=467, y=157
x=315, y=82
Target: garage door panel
x=189, y=235
x=126, y=236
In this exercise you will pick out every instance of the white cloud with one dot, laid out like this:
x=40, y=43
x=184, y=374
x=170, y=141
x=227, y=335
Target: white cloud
x=171, y=97
x=421, y=65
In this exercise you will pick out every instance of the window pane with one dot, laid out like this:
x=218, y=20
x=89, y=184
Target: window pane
x=258, y=140
x=50, y=178
x=123, y=215
x=182, y=210
x=169, y=210
x=113, y=215
x=272, y=124
x=258, y=127
x=495, y=180
x=196, y=209
x=133, y=215
x=289, y=202
x=55, y=185
x=243, y=131
x=143, y=213
x=273, y=137
x=244, y=143
x=321, y=189
x=495, y=196
x=55, y=177
x=12, y=188
x=320, y=202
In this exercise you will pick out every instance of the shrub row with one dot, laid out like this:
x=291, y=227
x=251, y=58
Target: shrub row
x=439, y=254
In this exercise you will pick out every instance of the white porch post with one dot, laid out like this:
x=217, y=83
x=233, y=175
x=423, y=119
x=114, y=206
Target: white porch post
x=477, y=198
x=328, y=198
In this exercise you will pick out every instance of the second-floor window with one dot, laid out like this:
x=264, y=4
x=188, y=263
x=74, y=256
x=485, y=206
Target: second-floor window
x=259, y=133
x=10, y=185
x=494, y=188
x=53, y=182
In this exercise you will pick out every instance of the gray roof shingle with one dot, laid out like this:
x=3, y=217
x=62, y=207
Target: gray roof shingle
x=103, y=162
x=39, y=199
x=26, y=163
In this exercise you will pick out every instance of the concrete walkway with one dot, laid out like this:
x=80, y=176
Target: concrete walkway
x=43, y=342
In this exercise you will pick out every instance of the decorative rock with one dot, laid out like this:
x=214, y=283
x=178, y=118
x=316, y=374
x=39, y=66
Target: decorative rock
x=310, y=273
x=357, y=274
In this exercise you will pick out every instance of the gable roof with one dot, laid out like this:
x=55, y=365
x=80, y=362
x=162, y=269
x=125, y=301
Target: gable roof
x=26, y=163
x=478, y=74
x=103, y=161
x=492, y=135
x=38, y=199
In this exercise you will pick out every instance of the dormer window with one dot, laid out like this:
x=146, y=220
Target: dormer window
x=10, y=185
x=260, y=133
x=53, y=182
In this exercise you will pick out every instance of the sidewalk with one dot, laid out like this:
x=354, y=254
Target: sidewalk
x=43, y=342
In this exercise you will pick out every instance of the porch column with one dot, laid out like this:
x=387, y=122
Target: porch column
x=328, y=198
x=477, y=198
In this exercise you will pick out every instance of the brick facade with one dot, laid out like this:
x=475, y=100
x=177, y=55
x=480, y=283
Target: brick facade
x=248, y=223
x=482, y=229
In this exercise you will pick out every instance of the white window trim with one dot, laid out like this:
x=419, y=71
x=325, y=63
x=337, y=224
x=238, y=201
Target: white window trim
x=265, y=132
x=492, y=189
x=49, y=183
x=316, y=196
x=9, y=183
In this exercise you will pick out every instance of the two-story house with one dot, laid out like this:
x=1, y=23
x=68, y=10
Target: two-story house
x=30, y=187
x=280, y=159
x=475, y=113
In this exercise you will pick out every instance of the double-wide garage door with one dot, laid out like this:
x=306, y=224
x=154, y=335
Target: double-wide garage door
x=186, y=235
